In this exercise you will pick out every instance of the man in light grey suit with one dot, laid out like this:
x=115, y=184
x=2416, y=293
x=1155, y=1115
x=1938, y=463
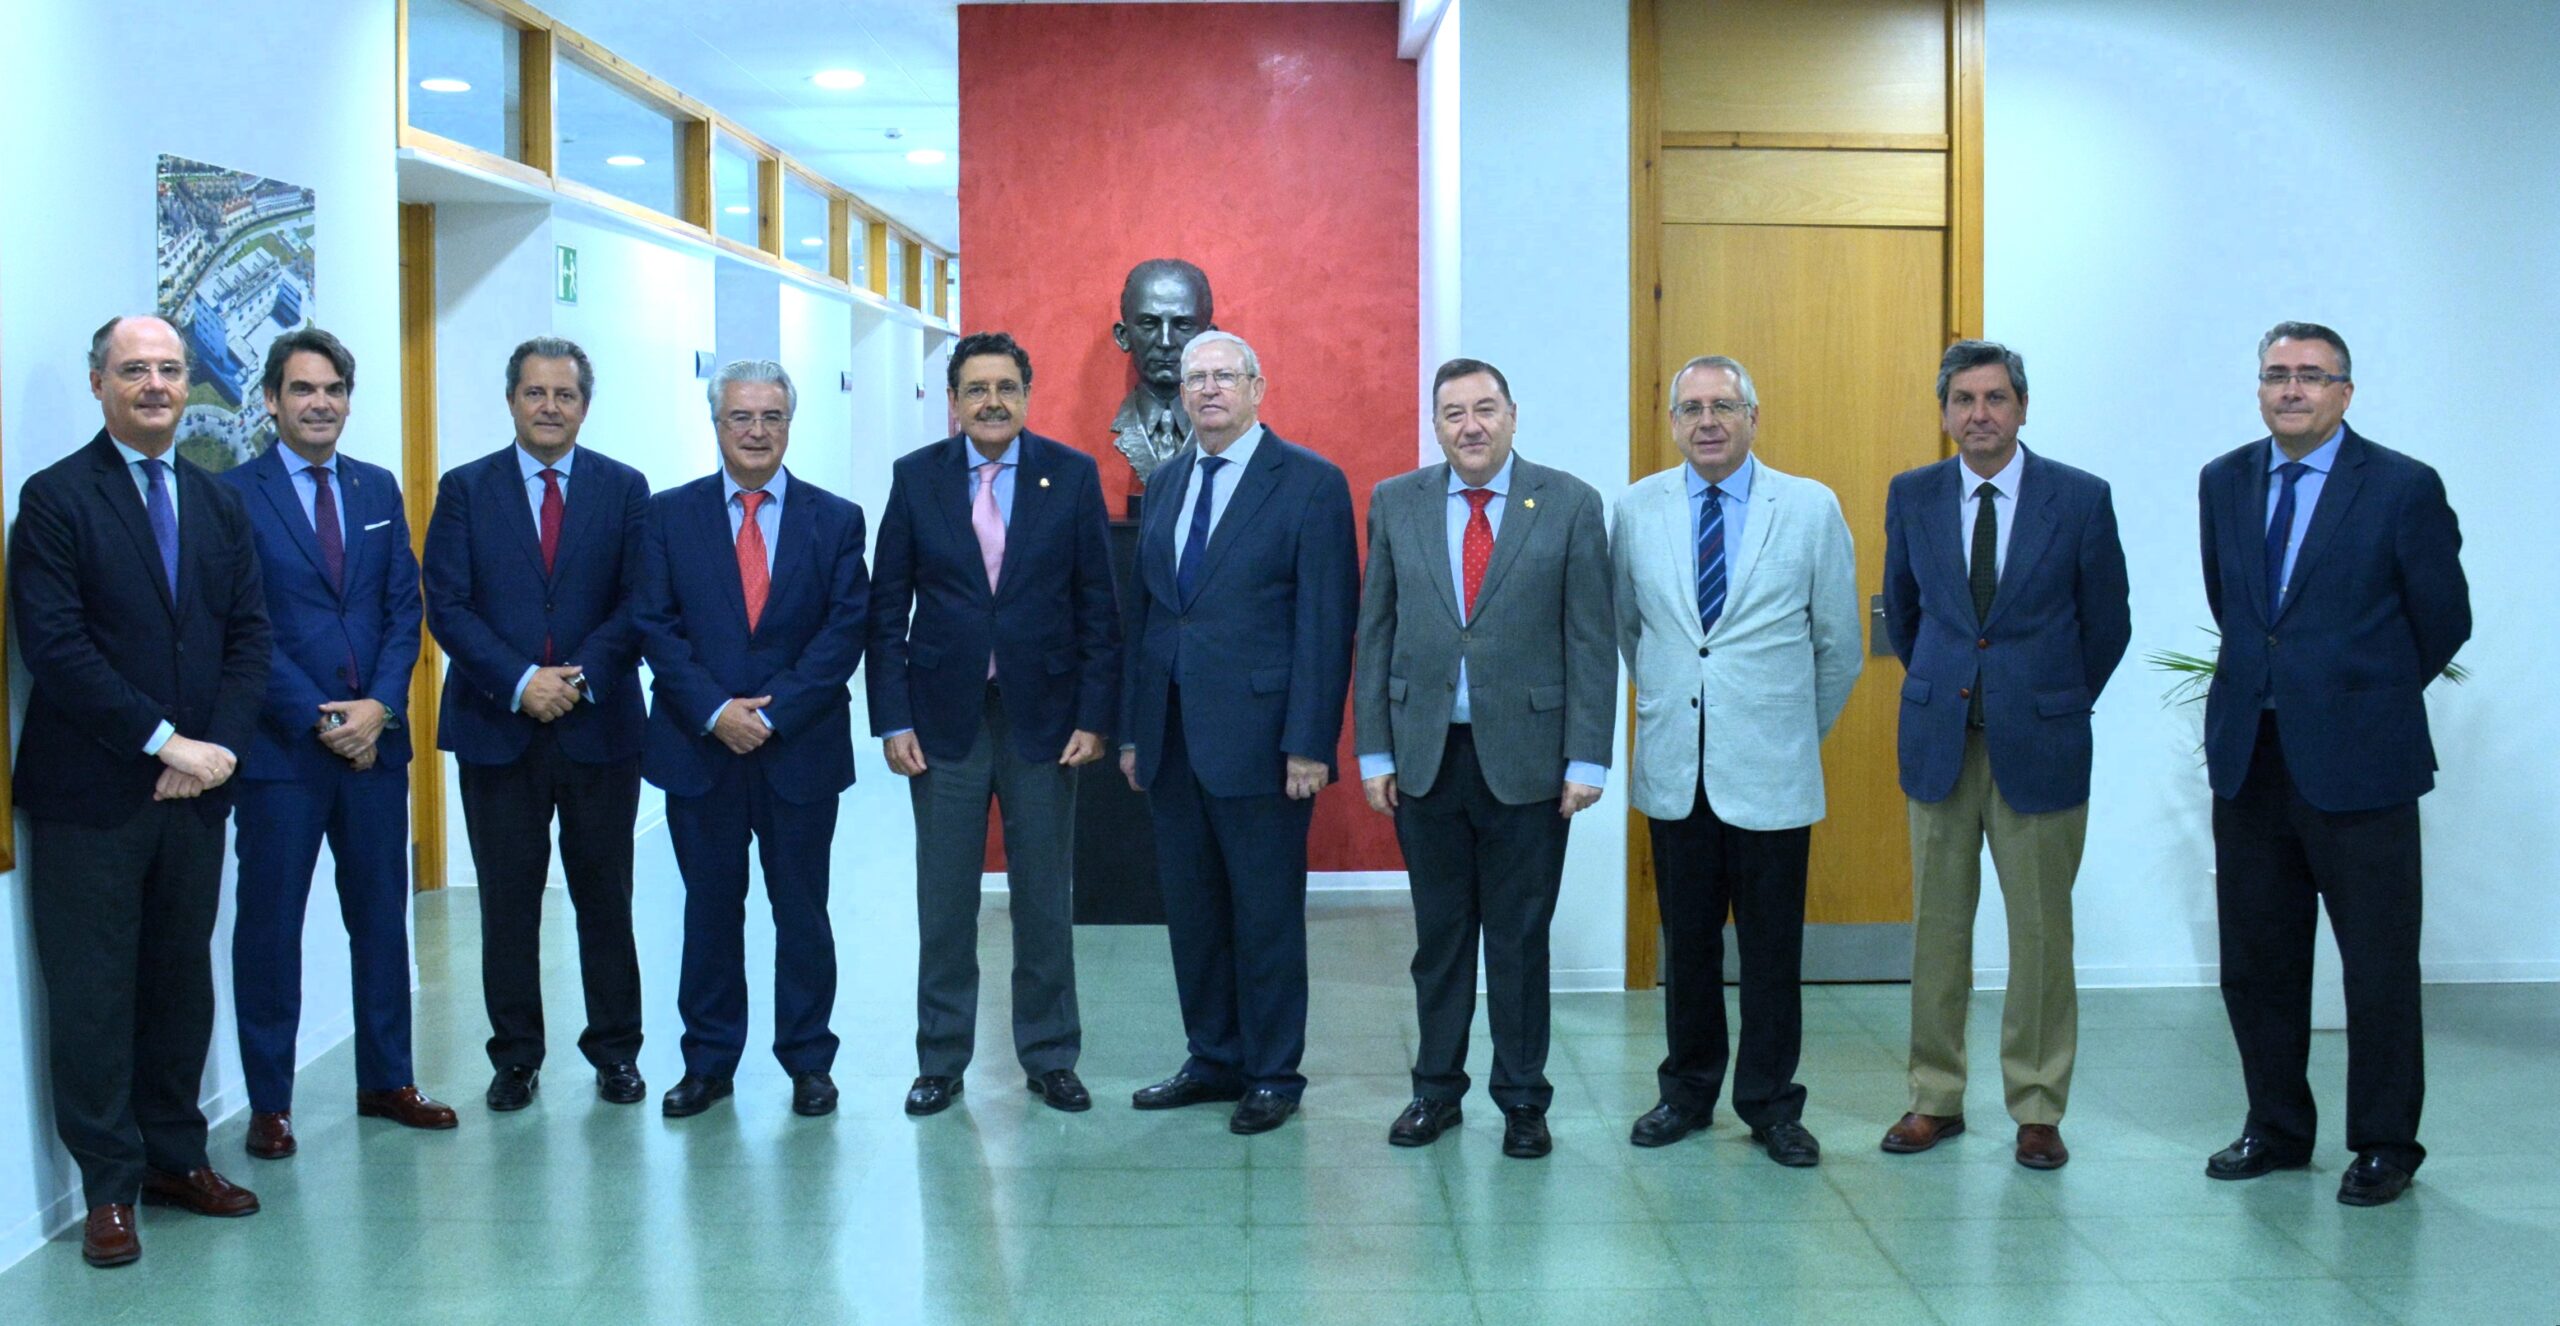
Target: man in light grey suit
x=1737, y=609
x=1483, y=700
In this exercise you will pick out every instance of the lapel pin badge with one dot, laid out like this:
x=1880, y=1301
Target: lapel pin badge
x=1529, y=503
x=1044, y=481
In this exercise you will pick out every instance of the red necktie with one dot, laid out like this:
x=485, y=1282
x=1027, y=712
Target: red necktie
x=753, y=576
x=1477, y=549
x=552, y=509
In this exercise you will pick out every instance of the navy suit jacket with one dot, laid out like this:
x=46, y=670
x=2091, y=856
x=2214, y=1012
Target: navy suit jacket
x=692, y=613
x=1052, y=623
x=491, y=606
x=2058, y=625
x=1263, y=651
x=112, y=654
x=2377, y=607
x=319, y=630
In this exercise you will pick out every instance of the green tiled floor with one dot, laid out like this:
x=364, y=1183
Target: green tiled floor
x=1001, y=1210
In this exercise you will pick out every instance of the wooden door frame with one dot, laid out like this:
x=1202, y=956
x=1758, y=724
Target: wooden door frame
x=1645, y=388
x=418, y=475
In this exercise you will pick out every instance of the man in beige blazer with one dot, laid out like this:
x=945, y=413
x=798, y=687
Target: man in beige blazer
x=1737, y=610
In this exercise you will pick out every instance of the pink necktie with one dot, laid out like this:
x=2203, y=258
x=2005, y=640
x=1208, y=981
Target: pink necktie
x=989, y=523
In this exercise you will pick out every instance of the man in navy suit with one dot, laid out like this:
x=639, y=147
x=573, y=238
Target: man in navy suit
x=331, y=756
x=751, y=609
x=2005, y=598
x=123, y=560
x=1248, y=586
x=2333, y=566
x=995, y=668
x=531, y=558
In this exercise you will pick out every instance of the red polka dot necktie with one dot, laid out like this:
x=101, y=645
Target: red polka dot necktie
x=1477, y=548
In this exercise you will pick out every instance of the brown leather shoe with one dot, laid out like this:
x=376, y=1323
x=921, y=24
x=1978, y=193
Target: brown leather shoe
x=271, y=1135
x=109, y=1238
x=199, y=1190
x=2040, y=1146
x=406, y=1106
x=1919, y=1132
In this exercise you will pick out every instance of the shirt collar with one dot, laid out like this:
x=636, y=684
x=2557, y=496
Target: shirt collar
x=973, y=458
x=2006, y=480
x=532, y=467
x=135, y=457
x=2322, y=459
x=1736, y=486
x=773, y=488
x=1240, y=451
x=1499, y=484
x=296, y=465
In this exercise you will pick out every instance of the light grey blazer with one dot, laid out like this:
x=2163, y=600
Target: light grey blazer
x=1773, y=676
x=1542, y=685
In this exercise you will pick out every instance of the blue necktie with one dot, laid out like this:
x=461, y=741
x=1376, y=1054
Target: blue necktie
x=2280, y=534
x=164, y=521
x=1711, y=559
x=1195, y=545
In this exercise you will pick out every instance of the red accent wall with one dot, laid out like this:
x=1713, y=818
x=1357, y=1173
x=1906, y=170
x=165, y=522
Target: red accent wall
x=1272, y=144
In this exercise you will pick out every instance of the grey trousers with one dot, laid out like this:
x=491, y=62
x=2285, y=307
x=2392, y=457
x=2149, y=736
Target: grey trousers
x=1037, y=799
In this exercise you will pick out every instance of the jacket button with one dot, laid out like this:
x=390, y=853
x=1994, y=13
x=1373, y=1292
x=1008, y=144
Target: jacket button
x=1702, y=651
x=1982, y=644
x=1693, y=702
x=1964, y=692
x=2271, y=642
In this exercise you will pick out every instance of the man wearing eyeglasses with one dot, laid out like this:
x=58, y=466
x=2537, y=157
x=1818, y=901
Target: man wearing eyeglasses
x=751, y=608
x=995, y=671
x=1737, y=611
x=142, y=616
x=2333, y=568
x=1240, y=656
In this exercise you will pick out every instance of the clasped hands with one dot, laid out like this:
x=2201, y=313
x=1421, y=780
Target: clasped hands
x=550, y=692
x=191, y=768
x=1381, y=792
x=354, y=737
x=1304, y=778
x=906, y=756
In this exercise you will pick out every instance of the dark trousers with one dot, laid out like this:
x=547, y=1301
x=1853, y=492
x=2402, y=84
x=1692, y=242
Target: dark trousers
x=1702, y=866
x=710, y=834
x=1037, y=799
x=1480, y=868
x=124, y=933
x=1234, y=874
x=365, y=819
x=2277, y=857
x=507, y=809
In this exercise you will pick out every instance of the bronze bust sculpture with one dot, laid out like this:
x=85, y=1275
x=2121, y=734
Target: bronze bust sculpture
x=1163, y=304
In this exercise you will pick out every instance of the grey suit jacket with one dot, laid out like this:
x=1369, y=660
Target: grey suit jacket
x=1542, y=687
x=1768, y=682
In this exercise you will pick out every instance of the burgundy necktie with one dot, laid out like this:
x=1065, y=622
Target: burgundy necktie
x=553, y=508
x=333, y=552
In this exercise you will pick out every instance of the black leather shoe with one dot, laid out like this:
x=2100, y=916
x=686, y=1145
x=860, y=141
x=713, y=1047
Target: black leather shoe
x=2251, y=1157
x=1524, y=1133
x=692, y=1095
x=1261, y=1111
x=1061, y=1089
x=513, y=1088
x=619, y=1083
x=932, y=1095
x=812, y=1094
x=1789, y=1144
x=2372, y=1181
x=1423, y=1121
x=1667, y=1123
x=1179, y=1090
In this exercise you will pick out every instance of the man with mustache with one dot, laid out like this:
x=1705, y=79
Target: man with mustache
x=750, y=607
x=995, y=673
x=331, y=757
x=143, y=622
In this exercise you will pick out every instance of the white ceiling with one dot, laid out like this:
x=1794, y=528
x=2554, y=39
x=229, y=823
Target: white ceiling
x=751, y=61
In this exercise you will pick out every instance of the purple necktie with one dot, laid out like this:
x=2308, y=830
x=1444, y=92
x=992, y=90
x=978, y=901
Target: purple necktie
x=164, y=521
x=324, y=522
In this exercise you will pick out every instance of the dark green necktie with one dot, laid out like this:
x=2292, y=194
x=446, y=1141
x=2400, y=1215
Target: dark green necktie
x=1985, y=575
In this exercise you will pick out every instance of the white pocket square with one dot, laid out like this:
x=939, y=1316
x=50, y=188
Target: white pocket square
x=375, y=526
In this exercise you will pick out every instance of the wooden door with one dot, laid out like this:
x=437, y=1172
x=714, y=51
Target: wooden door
x=1806, y=200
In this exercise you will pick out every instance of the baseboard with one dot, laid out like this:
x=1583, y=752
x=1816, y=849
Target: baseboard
x=1587, y=980
x=2205, y=974
x=1318, y=881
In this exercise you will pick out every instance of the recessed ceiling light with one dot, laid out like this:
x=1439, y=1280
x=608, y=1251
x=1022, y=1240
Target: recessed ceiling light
x=837, y=80
x=737, y=209
x=443, y=85
x=625, y=159
x=810, y=241
x=928, y=156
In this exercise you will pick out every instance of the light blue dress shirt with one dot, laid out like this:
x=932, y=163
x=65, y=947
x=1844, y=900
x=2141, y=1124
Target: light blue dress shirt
x=532, y=468
x=142, y=488
x=308, y=489
x=769, y=523
x=2306, y=494
x=1008, y=463
x=1240, y=454
x=1736, y=490
x=1462, y=710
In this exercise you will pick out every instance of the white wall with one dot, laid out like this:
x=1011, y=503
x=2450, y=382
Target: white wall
x=1540, y=223
x=95, y=100
x=2165, y=181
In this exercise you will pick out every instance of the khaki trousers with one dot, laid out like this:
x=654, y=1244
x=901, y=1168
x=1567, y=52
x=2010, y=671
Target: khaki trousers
x=2037, y=857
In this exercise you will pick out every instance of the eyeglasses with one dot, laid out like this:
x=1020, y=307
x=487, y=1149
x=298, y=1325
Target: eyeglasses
x=742, y=420
x=1727, y=412
x=979, y=391
x=1226, y=378
x=2309, y=377
x=175, y=370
